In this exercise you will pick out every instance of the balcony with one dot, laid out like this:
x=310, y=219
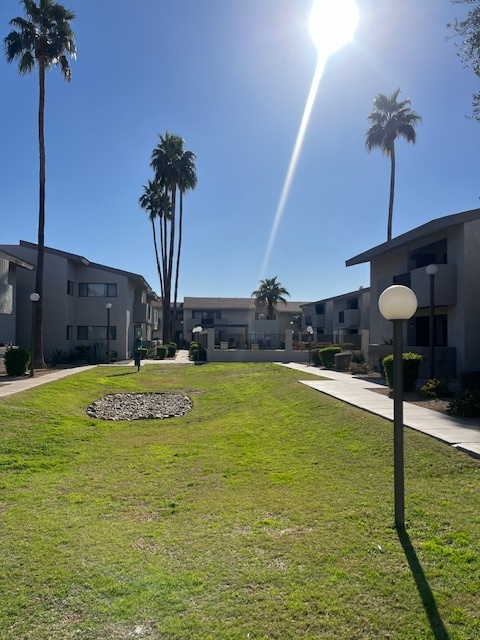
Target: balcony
x=348, y=318
x=445, y=285
x=143, y=313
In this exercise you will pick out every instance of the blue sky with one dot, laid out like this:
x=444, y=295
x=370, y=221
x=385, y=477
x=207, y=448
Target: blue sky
x=232, y=78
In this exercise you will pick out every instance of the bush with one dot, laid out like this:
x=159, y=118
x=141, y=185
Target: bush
x=93, y=353
x=467, y=405
x=357, y=368
x=358, y=357
x=171, y=349
x=328, y=356
x=316, y=358
x=435, y=388
x=192, y=347
x=58, y=356
x=16, y=361
x=143, y=353
x=161, y=352
x=411, y=367
x=470, y=380
x=198, y=354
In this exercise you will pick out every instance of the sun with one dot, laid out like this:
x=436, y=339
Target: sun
x=332, y=24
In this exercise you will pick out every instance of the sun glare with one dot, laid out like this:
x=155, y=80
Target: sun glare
x=332, y=24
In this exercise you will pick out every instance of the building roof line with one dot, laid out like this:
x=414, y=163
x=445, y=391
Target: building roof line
x=429, y=228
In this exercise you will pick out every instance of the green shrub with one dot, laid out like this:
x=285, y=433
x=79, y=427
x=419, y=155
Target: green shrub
x=58, y=356
x=328, y=356
x=411, y=367
x=93, y=353
x=198, y=354
x=171, y=349
x=435, y=388
x=193, y=346
x=357, y=368
x=470, y=380
x=358, y=357
x=315, y=357
x=467, y=405
x=161, y=352
x=16, y=361
x=143, y=353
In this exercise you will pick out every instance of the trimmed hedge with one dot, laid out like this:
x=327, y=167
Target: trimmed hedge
x=328, y=356
x=316, y=357
x=161, y=352
x=16, y=361
x=171, y=349
x=411, y=368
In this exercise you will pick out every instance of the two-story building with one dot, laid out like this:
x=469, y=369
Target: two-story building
x=9, y=265
x=342, y=319
x=239, y=323
x=76, y=294
x=453, y=244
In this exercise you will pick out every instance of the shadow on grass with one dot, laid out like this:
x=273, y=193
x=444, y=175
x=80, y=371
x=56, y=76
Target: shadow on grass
x=428, y=599
x=126, y=373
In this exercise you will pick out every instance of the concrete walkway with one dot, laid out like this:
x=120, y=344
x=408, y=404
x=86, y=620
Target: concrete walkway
x=8, y=387
x=11, y=386
x=457, y=432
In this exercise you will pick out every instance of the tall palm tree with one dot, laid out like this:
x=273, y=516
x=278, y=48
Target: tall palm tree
x=270, y=293
x=174, y=170
x=151, y=202
x=391, y=119
x=187, y=180
x=42, y=39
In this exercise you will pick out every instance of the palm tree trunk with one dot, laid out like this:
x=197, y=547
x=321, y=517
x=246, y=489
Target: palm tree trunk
x=156, y=256
x=38, y=360
x=170, y=261
x=180, y=229
x=392, y=192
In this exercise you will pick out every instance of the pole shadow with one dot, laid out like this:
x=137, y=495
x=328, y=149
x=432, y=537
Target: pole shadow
x=428, y=599
x=116, y=375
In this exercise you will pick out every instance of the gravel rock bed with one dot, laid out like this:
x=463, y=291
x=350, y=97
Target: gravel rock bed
x=140, y=406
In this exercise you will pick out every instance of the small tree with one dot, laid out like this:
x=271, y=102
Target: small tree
x=468, y=31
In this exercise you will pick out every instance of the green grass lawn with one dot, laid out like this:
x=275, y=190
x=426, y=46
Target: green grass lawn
x=265, y=513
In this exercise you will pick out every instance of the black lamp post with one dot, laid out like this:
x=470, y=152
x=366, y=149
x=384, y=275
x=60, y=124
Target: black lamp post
x=34, y=297
x=398, y=303
x=310, y=334
x=432, y=271
x=108, y=306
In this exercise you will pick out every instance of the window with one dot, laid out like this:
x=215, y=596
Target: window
x=341, y=317
x=207, y=315
x=94, y=290
x=69, y=332
x=95, y=333
x=352, y=303
x=69, y=288
x=320, y=309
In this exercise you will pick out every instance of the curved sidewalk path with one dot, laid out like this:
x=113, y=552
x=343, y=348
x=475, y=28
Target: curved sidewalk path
x=456, y=432
x=15, y=385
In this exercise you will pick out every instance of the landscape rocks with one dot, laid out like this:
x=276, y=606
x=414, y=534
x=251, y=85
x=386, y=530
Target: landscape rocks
x=140, y=406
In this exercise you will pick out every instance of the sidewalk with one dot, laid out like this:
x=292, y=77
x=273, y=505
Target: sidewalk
x=9, y=386
x=456, y=432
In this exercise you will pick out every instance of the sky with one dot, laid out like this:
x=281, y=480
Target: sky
x=232, y=78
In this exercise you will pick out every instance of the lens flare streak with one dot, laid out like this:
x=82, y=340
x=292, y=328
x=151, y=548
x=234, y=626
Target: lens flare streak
x=293, y=161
